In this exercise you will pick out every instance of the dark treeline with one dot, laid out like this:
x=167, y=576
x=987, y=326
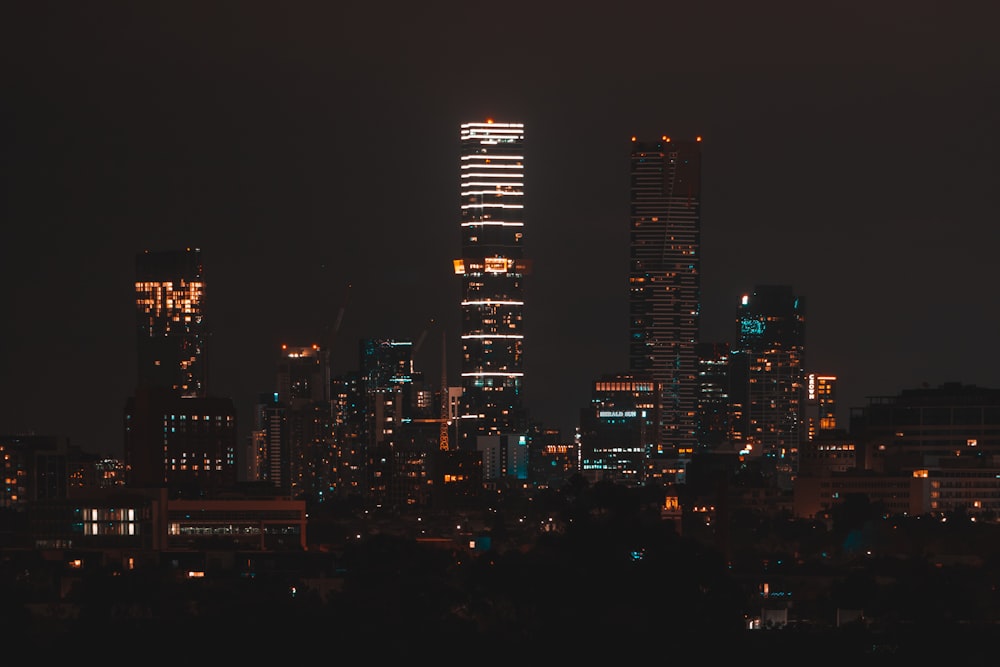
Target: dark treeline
x=606, y=578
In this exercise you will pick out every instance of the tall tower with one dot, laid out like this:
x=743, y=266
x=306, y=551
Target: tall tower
x=767, y=363
x=492, y=267
x=169, y=299
x=303, y=395
x=665, y=281
x=177, y=435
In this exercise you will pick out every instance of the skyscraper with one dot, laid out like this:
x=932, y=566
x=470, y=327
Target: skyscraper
x=492, y=267
x=767, y=363
x=303, y=391
x=176, y=434
x=665, y=281
x=169, y=299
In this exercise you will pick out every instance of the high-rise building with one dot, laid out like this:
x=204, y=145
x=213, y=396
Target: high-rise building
x=177, y=435
x=665, y=281
x=767, y=364
x=492, y=267
x=303, y=390
x=619, y=429
x=347, y=398
x=714, y=407
x=169, y=299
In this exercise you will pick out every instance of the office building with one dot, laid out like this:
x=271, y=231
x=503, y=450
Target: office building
x=953, y=424
x=767, y=363
x=186, y=444
x=619, y=429
x=665, y=282
x=492, y=269
x=714, y=407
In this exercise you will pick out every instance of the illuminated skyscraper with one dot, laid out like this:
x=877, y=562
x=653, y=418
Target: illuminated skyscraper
x=665, y=281
x=767, y=364
x=176, y=434
x=492, y=267
x=169, y=300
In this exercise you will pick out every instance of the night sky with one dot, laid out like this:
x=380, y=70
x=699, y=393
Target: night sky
x=850, y=151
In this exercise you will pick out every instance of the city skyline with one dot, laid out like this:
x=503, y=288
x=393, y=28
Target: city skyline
x=313, y=159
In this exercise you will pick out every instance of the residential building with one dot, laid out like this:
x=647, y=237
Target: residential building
x=176, y=433
x=665, y=281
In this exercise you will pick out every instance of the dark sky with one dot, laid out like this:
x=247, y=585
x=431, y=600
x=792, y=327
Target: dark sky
x=850, y=151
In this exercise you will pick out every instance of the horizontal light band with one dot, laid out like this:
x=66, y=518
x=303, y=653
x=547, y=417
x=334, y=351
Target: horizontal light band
x=466, y=336
x=491, y=302
x=487, y=156
x=492, y=191
x=492, y=223
x=503, y=375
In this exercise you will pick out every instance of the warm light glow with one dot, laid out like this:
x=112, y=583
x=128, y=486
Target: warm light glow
x=465, y=336
x=489, y=302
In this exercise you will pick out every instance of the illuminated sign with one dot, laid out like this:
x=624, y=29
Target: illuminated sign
x=616, y=413
x=751, y=327
x=812, y=386
x=496, y=264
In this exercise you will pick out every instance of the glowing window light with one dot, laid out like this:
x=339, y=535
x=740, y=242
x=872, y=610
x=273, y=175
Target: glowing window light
x=490, y=165
x=492, y=336
x=491, y=302
x=491, y=156
x=503, y=193
x=492, y=374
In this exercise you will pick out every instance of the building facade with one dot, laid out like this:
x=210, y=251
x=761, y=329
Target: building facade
x=492, y=269
x=767, y=363
x=665, y=280
x=176, y=434
x=170, y=323
x=714, y=408
x=819, y=404
x=619, y=429
x=929, y=426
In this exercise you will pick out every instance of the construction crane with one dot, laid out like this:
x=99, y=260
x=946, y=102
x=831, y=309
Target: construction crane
x=443, y=444
x=328, y=343
x=422, y=337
